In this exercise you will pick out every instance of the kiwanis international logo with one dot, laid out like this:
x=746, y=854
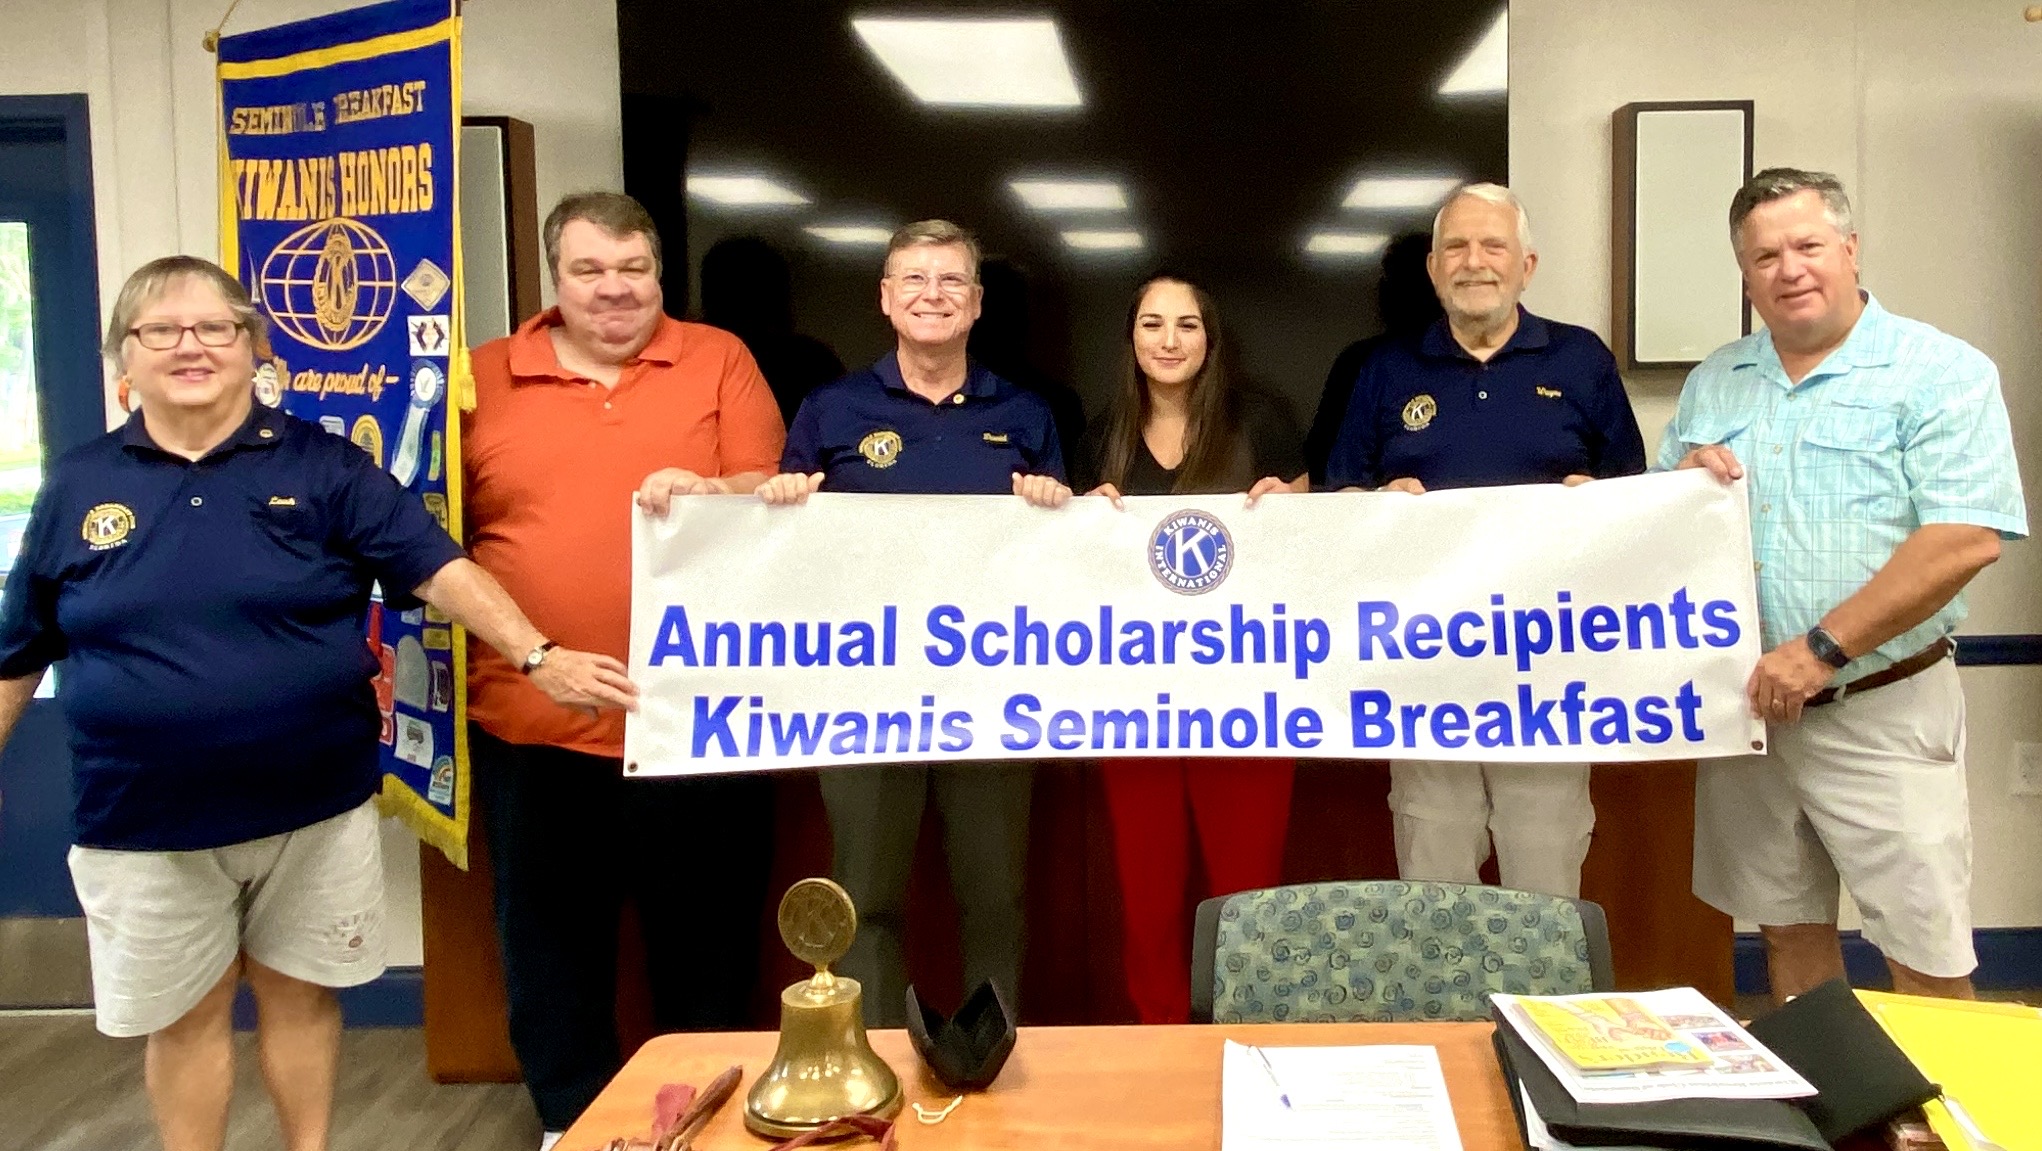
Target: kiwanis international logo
x=330, y=285
x=1191, y=553
x=881, y=448
x=107, y=526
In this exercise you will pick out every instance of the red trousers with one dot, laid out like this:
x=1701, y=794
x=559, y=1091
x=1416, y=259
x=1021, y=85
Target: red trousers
x=1242, y=809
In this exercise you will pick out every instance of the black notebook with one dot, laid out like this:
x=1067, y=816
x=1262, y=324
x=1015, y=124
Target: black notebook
x=1701, y=1124
x=1836, y=1045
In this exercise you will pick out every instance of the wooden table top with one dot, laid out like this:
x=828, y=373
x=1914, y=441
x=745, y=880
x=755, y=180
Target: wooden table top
x=1065, y=1088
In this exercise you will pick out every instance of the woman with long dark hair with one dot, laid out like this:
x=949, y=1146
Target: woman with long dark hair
x=1179, y=425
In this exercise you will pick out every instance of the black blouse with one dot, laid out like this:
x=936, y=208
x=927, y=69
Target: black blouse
x=1271, y=447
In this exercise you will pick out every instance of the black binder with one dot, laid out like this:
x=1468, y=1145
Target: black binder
x=1864, y=1077
x=1700, y=1124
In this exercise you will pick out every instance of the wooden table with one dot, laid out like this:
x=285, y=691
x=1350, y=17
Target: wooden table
x=1065, y=1089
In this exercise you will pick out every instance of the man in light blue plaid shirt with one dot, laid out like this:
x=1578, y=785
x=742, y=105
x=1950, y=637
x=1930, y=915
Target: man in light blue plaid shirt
x=1882, y=479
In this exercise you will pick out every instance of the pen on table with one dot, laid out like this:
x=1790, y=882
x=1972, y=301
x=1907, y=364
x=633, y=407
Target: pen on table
x=1282, y=1096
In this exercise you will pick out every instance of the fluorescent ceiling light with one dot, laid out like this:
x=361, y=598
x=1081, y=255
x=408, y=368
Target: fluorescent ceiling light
x=982, y=63
x=1399, y=191
x=851, y=235
x=1345, y=244
x=1485, y=70
x=1088, y=240
x=742, y=190
x=1070, y=195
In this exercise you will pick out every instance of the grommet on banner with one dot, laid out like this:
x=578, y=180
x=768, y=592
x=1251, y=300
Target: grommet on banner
x=211, y=40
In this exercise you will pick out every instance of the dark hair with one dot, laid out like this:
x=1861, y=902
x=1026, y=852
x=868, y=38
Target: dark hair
x=618, y=215
x=1780, y=183
x=1214, y=459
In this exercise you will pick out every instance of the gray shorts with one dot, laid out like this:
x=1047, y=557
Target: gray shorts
x=165, y=926
x=1867, y=792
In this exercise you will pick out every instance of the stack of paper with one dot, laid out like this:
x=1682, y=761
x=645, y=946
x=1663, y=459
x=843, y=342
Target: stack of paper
x=1294, y=1098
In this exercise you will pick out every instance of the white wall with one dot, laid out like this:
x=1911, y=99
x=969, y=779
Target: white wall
x=150, y=84
x=1932, y=115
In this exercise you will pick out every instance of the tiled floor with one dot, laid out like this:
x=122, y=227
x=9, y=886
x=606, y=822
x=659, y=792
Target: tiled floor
x=65, y=1087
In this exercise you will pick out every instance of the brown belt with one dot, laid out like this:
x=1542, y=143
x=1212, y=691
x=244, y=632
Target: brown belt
x=1915, y=664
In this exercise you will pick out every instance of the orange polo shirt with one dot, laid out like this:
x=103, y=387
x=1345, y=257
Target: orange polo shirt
x=551, y=461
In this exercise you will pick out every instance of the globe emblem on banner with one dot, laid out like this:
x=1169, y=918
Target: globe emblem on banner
x=1191, y=552
x=330, y=285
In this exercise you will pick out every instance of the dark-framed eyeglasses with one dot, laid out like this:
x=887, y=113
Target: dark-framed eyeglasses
x=163, y=337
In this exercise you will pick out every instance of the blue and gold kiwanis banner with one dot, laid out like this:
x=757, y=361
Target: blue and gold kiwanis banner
x=337, y=211
x=1612, y=622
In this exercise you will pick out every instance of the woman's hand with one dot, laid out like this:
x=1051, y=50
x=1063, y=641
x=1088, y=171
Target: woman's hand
x=1268, y=484
x=1042, y=491
x=790, y=488
x=1110, y=492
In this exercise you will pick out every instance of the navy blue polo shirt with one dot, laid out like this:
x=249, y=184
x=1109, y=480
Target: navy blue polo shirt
x=209, y=613
x=1547, y=405
x=867, y=432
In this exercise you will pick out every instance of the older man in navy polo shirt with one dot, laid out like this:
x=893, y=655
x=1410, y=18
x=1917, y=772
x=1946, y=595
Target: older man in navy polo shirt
x=1490, y=394
x=925, y=419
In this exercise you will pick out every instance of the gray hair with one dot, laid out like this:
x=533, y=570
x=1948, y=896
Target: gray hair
x=1780, y=183
x=1493, y=194
x=932, y=232
x=149, y=282
x=619, y=216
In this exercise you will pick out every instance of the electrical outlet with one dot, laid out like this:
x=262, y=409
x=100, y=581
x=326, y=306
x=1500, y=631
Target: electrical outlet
x=2027, y=769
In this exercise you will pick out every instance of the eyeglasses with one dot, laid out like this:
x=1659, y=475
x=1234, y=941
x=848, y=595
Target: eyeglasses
x=163, y=337
x=949, y=283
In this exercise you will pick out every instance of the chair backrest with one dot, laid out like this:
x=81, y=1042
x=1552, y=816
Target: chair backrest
x=1389, y=951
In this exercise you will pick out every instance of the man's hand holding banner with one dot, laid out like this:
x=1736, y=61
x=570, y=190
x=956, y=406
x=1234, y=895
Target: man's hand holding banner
x=1611, y=622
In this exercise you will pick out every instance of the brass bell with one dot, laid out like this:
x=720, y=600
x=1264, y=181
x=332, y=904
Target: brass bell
x=824, y=1069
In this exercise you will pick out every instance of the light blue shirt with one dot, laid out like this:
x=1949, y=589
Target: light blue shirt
x=1901, y=426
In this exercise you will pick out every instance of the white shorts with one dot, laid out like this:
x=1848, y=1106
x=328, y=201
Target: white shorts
x=1869, y=789
x=164, y=926
x=1446, y=814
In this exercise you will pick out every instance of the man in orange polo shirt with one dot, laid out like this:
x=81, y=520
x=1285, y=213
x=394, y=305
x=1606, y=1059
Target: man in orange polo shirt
x=574, y=412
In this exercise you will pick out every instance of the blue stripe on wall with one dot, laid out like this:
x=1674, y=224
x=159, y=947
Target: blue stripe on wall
x=1998, y=650
x=2009, y=958
x=394, y=999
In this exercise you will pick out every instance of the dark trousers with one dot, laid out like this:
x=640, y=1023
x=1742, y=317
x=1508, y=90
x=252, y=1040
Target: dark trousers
x=570, y=839
x=875, y=814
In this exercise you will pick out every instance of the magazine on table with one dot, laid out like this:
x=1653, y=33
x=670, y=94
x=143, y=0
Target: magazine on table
x=1646, y=1046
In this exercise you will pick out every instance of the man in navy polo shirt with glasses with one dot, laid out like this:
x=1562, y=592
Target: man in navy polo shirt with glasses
x=927, y=420
x=1489, y=394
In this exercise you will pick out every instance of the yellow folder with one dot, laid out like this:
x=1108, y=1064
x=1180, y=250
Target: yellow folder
x=1986, y=1055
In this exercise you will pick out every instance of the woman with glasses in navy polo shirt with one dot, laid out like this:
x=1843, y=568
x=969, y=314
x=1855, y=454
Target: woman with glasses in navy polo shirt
x=204, y=573
x=1179, y=426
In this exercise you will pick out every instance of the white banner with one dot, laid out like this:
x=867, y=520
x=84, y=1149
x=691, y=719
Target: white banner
x=1612, y=622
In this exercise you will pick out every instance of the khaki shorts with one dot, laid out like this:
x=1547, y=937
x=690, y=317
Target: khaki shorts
x=164, y=926
x=1869, y=790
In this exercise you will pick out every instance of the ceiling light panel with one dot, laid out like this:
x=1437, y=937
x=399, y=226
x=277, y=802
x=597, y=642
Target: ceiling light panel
x=1103, y=240
x=975, y=63
x=750, y=190
x=1345, y=245
x=1044, y=195
x=1485, y=70
x=1395, y=192
x=851, y=235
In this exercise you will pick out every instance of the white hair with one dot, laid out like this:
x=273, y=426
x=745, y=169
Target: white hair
x=1494, y=194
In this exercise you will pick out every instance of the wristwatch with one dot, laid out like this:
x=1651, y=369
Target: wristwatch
x=1826, y=648
x=537, y=656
